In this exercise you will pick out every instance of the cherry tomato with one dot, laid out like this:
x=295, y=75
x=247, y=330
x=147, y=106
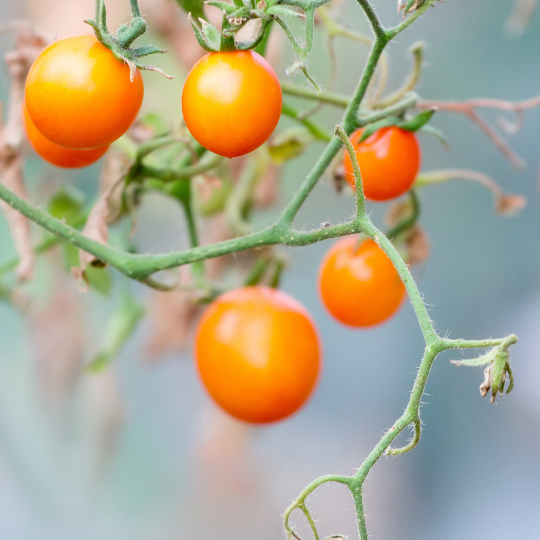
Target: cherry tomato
x=359, y=284
x=258, y=354
x=389, y=162
x=79, y=96
x=231, y=102
x=58, y=155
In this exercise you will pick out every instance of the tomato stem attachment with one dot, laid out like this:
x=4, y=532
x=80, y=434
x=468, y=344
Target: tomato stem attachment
x=120, y=43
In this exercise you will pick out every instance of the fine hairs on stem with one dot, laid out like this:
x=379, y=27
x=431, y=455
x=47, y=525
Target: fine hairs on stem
x=142, y=267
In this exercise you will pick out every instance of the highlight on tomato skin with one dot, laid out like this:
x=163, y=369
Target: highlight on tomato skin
x=258, y=354
x=67, y=158
x=231, y=102
x=358, y=283
x=79, y=96
x=389, y=162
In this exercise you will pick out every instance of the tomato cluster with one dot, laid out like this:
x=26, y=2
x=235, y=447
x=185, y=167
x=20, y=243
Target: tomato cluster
x=257, y=349
x=78, y=100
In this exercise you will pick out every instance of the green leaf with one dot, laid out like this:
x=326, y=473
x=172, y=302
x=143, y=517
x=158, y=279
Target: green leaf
x=283, y=11
x=437, y=134
x=288, y=146
x=99, y=279
x=370, y=129
x=238, y=3
x=179, y=189
x=195, y=7
x=417, y=122
x=122, y=325
x=71, y=256
x=66, y=204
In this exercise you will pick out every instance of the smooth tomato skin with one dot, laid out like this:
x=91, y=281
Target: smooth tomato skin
x=79, y=96
x=389, y=162
x=359, y=285
x=258, y=354
x=231, y=102
x=67, y=158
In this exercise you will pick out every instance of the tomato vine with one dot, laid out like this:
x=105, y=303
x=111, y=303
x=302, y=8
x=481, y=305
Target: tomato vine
x=175, y=181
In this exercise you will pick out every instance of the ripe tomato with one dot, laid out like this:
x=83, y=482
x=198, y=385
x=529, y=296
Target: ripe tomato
x=389, y=162
x=258, y=354
x=359, y=284
x=231, y=102
x=79, y=96
x=58, y=155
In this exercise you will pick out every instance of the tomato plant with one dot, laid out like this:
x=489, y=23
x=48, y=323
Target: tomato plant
x=257, y=350
x=389, y=161
x=68, y=158
x=358, y=283
x=258, y=354
x=231, y=102
x=80, y=96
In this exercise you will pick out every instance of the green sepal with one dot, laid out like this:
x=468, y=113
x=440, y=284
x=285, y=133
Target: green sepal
x=208, y=36
x=480, y=361
x=146, y=50
x=370, y=129
x=122, y=324
x=417, y=122
x=249, y=45
x=498, y=372
x=229, y=9
x=510, y=377
x=238, y=3
x=438, y=134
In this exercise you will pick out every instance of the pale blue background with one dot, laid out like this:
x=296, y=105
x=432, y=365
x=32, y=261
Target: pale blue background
x=476, y=472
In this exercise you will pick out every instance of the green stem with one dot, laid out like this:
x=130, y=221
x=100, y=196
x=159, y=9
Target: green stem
x=170, y=175
x=409, y=221
x=331, y=98
x=393, y=32
x=315, y=129
x=135, y=11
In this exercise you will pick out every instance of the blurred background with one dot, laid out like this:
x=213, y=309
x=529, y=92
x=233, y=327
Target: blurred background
x=139, y=451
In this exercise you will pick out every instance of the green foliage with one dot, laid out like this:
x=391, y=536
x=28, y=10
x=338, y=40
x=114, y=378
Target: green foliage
x=195, y=7
x=120, y=327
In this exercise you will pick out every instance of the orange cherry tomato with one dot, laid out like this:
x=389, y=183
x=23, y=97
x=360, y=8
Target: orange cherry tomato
x=58, y=155
x=258, y=354
x=389, y=162
x=358, y=283
x=231, y=102
x=79, y=96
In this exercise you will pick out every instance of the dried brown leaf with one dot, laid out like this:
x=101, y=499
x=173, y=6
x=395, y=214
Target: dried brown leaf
x=28, y=45
x=417, y=246
x=510, y=205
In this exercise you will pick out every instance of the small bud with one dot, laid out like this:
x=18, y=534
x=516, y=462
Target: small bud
x=497, y=362
x=510, y=205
